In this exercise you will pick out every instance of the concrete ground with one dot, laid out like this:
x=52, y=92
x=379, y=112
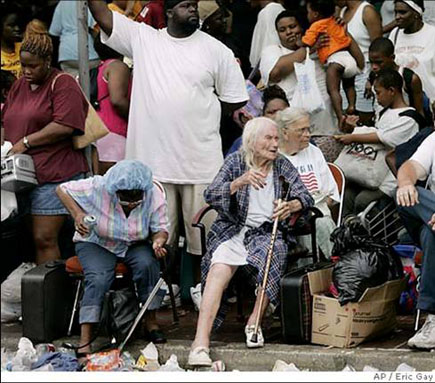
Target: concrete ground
x=385, y=353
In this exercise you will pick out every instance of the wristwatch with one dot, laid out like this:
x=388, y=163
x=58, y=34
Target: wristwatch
x=26, y=142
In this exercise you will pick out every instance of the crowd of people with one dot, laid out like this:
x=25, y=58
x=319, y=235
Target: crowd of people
x=172, y=79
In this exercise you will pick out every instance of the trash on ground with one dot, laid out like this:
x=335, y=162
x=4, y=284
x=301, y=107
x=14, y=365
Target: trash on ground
x=348, y=368
x=11, y=293
x=127, y=361
x=370, y=369
x=405, y=367
x=280, y=365
x=25, y=356
x=218, y=366
x=59, y=362
x=171, y=365
x=44, y=368
x=148, y=359
x=104, y=361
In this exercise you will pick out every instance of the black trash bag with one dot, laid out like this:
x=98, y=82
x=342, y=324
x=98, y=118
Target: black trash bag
x=120, y=309
x=362, y=262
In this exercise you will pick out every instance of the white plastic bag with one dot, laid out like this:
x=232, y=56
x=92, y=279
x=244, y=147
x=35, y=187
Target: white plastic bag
x=8, y=199
x=25, y=356
x=307, y=94
x=11, y=293
x=364, y=164
x=11, y=287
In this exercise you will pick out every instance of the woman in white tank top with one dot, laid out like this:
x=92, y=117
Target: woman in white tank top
x=364, y=24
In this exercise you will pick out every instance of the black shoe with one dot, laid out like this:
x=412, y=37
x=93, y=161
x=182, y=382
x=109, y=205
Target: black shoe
x=155, y=336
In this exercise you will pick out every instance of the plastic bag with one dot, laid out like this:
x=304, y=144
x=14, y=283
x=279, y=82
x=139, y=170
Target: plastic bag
x=171, y=365
x=307, y=94
x=11, y=293
x=362, y=262
x=8, y=199
x=25, y=356
x=104, y=361
x=364, y=164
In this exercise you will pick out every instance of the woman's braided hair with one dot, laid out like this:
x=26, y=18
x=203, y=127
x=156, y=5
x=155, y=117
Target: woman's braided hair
x=36, y=40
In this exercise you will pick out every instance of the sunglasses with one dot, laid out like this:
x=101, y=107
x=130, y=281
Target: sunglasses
x=130, y=203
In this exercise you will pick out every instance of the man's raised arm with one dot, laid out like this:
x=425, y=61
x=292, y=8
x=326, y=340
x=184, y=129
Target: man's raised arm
x=102, y=15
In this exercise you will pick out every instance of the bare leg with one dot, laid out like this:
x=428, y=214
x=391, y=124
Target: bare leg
x=46, y=230
x=253, y=316
x=217, y=281
x=333, y=81
x=349, y=89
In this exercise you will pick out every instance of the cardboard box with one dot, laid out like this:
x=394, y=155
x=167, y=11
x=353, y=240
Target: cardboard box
x=349, y=325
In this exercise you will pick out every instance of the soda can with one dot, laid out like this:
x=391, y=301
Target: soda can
x=44, y=348
x=90, y=221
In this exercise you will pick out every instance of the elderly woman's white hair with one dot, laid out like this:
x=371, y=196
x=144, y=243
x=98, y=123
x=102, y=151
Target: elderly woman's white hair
x=289, y=116
x=249, y=138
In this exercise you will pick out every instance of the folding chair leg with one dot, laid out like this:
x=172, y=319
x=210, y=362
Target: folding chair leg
x=171, y=295
x=76, y=302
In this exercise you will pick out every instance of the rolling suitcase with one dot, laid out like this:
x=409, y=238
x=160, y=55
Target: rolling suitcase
x=296, y=304
x=47, y=295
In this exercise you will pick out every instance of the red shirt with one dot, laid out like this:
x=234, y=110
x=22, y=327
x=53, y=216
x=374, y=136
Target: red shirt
x=27, y=111
x=153, y=14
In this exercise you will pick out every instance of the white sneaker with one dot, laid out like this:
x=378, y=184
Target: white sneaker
x=425, y=337
x=166, y=301
x=195, y=294
x=200, y=356
x=249, y=331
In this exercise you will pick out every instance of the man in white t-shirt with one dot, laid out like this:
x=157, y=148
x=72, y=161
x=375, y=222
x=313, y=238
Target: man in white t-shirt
x=265, y=33
x=183, y=80
x=417, y=209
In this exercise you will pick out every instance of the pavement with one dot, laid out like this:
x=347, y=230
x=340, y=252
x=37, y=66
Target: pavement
x=384, y=353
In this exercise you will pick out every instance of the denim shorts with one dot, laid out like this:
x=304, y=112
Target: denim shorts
x=44, y=200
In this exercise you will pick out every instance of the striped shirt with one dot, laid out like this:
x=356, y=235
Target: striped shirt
x=114, y=231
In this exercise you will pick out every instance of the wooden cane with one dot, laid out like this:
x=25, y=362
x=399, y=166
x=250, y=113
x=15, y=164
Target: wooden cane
x=254, y=338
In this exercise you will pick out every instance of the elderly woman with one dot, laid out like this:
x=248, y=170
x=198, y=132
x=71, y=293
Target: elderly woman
x=294, y=144
x=132, y=225
x=245, y=194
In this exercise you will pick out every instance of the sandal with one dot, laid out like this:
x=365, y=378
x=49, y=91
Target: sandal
x=200, y=356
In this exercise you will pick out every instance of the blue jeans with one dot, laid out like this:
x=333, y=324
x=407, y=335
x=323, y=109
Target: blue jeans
x=99, y=272
x=416, y=218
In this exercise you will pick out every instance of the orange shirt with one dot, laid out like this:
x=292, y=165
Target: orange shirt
x=339, y=40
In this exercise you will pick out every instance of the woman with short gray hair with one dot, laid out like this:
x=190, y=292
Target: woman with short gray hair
x=244, y=193
x=294, y=132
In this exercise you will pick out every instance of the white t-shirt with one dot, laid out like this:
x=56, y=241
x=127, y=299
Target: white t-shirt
x=260, y=207
x=393, y=129
x=425, y=156
x=416, y=51
x=323, y=122
x=175, y=110
x=265, y=33
x=315, y=174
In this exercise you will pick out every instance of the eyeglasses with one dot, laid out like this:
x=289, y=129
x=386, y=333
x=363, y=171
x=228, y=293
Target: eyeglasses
x=301, y=131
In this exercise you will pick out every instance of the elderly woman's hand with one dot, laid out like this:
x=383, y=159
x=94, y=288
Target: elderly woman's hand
x=252, y=177
x=283, y=209
x=159, y=240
